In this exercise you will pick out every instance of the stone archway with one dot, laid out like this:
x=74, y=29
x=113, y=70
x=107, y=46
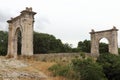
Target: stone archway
x=103, y=45
x=16, y=42
x=23, y=23
x=110, y=35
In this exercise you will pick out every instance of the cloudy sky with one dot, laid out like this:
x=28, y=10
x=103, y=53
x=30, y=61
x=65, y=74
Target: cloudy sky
x=69, y=20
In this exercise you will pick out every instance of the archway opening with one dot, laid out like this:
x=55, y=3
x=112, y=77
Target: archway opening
x=103, y=45
x=19, y=40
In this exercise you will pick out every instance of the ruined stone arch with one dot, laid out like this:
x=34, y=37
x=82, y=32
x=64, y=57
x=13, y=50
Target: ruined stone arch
x=23, y=23
x=110, y=35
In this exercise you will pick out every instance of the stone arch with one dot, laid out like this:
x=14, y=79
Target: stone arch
x=106, y=39
x=24, y=22
x=16, y=35
x=110, y=35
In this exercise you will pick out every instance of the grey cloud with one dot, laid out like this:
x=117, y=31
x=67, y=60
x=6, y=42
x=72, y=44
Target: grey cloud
x=41, y=23
x=4, y=16
x=3, y=26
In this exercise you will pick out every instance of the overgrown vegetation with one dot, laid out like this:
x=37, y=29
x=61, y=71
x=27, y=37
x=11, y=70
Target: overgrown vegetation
x=87, y=69
x=106, y=67
x=65, y=70
x=62, y=70
x=111, y=65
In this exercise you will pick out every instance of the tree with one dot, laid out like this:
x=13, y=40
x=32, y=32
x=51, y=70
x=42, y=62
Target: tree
x=67, y=48
x=46, y=43
x=85, y=46
x=103, y=48
x=42, y=42
x=3, y=42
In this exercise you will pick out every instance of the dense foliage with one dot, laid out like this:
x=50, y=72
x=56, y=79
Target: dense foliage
x=111, y=65
x=3, y=42
x=103, y=48
x=85, y=46
x=87, y=69
x=45, y=43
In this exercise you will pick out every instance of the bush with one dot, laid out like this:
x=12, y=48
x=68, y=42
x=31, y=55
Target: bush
x=59, y=70
x=87, y=69
x=111, y=65
x=63, y=70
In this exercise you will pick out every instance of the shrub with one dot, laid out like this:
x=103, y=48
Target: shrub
x=82, y=55
x=59, y=70
x=87, y=69
x=111, y=65
x=63, y=70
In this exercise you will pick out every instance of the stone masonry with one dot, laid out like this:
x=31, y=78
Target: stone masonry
x=23, y=23
x=110, y=35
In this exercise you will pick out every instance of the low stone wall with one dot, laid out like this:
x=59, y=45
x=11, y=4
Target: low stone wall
x=56, y=56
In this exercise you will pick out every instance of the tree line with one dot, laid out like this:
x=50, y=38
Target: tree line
x=46, y=43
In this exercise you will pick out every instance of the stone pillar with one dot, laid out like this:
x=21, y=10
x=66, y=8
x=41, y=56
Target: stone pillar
x=9, y=41
x=27, y=38
x=114, y=42
x=10, y=50
x=15, y=43
x=94, y=45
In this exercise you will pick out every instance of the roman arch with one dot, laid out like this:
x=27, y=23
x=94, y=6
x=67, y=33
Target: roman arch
x=110, y=35
x=23, y=23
